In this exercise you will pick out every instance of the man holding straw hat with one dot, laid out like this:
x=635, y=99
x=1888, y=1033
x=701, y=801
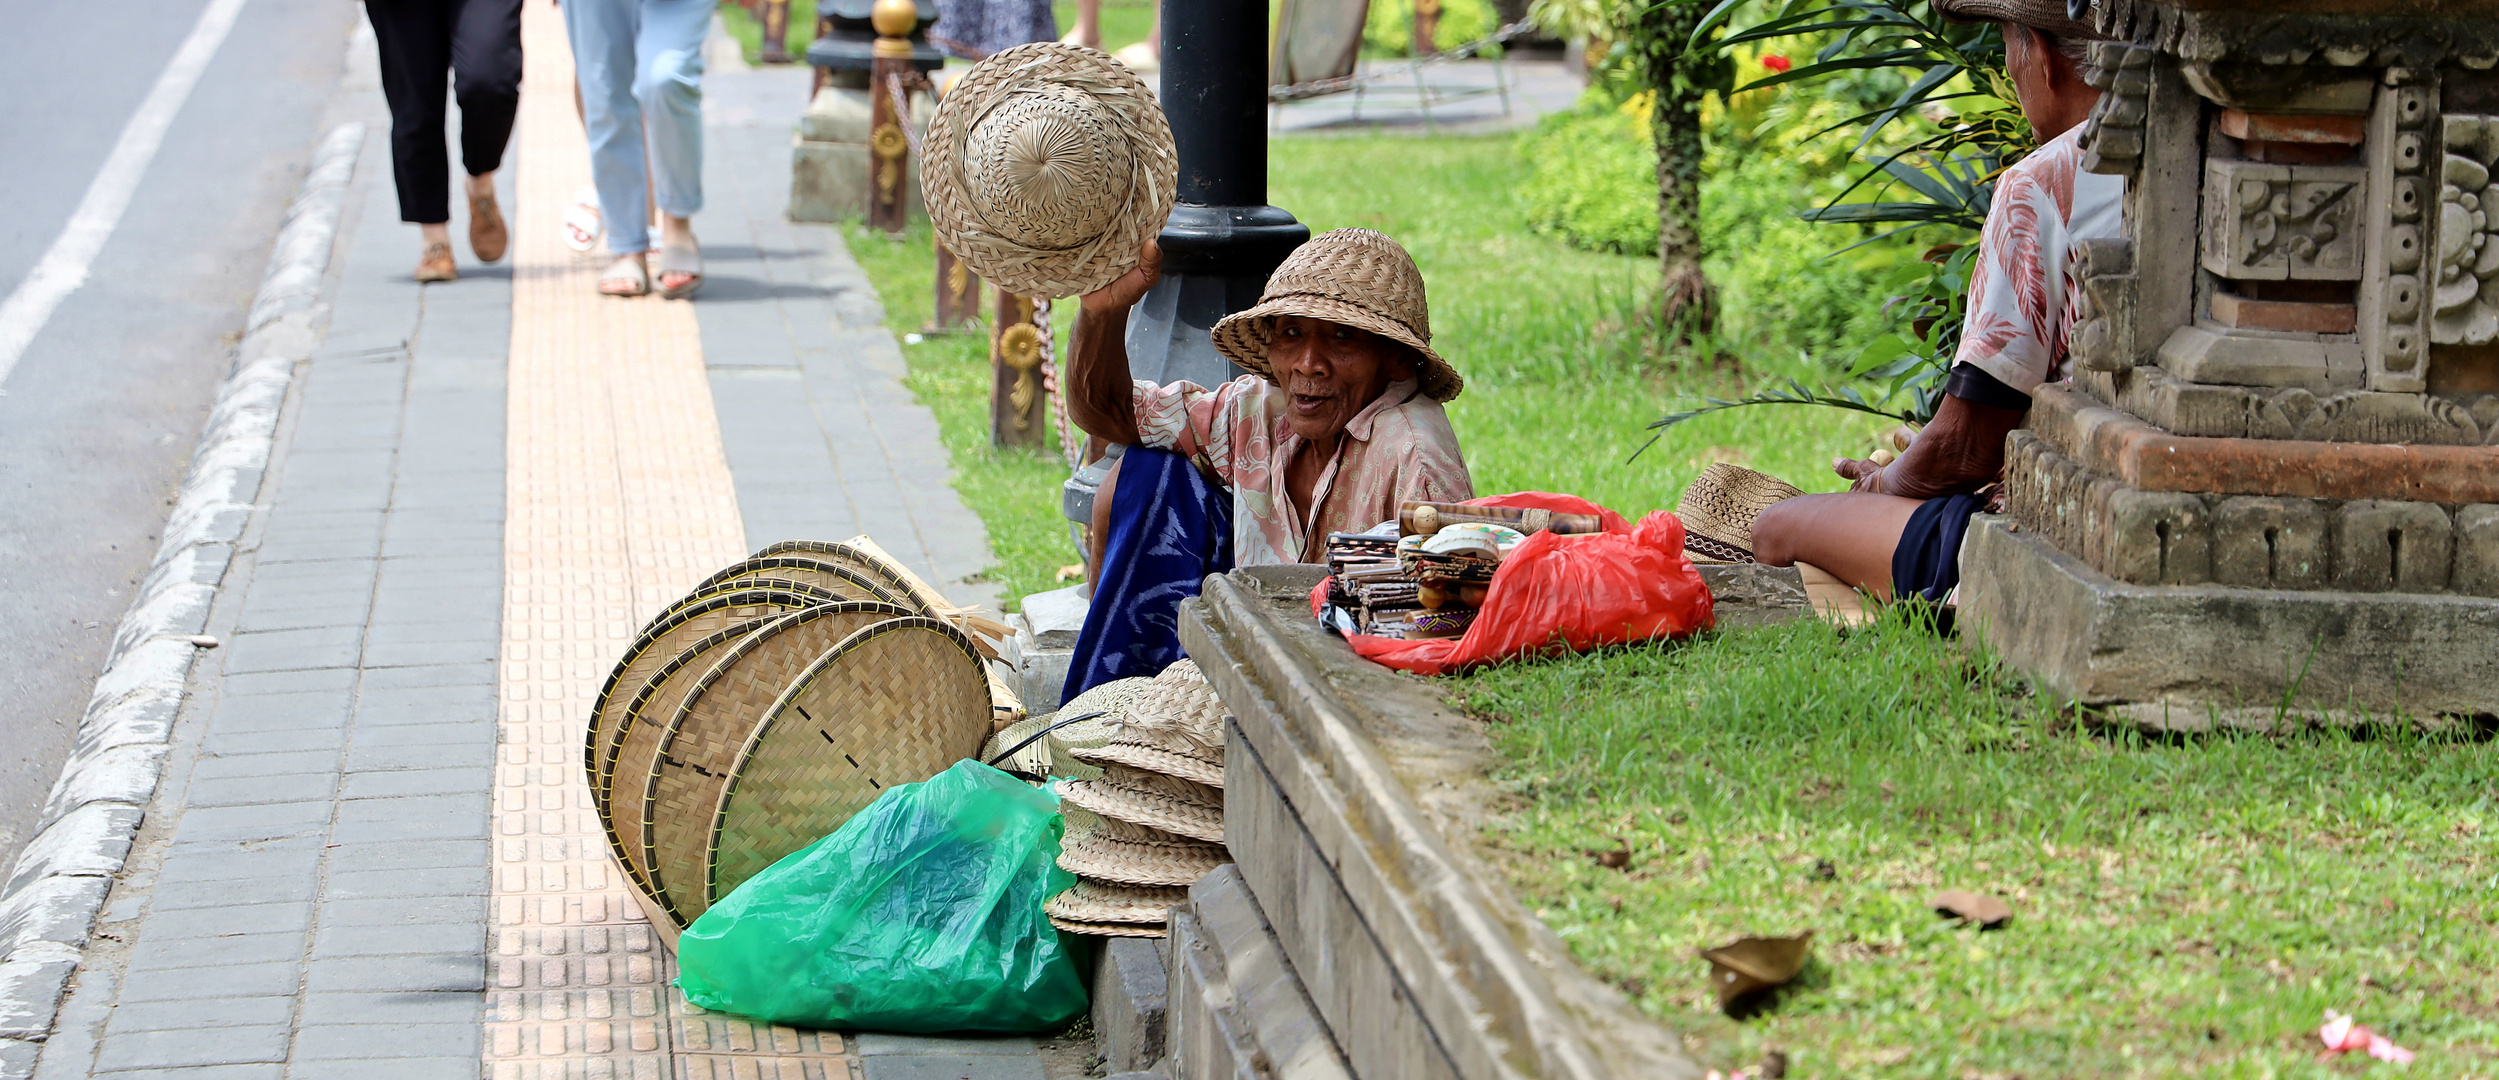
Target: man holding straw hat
x=1049, y=170
x=1339, y=422
x=1897, y=531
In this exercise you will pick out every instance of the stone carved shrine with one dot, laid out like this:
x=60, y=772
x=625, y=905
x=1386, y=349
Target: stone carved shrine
x=2275, y=476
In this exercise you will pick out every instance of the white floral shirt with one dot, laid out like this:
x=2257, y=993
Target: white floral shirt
x=2021, y=293
x=1397, y=449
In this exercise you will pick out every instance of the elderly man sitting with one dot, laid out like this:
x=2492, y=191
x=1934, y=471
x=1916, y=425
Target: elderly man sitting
x=1897, y=531
x=1338, y=424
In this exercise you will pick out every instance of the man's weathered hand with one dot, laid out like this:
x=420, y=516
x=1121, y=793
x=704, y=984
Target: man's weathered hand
x=1122, y=294
x=1863, y=475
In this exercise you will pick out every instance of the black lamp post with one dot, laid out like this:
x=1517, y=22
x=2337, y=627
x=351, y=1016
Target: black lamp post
x=1223, y=239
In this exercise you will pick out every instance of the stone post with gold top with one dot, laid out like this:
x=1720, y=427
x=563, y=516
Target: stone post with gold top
x=1018, y=410
x=2274, y=479
x=776, y=36
x=889, y=150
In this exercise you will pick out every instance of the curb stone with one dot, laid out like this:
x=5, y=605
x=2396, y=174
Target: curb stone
x=50, y=903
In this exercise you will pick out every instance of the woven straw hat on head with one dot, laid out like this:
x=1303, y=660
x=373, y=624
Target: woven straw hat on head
x=1719, y=508
x=1049, y=167
x=2071, y=21
x=1356, y=277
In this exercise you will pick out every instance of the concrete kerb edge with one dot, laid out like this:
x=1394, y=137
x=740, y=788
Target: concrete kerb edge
x=59, y=883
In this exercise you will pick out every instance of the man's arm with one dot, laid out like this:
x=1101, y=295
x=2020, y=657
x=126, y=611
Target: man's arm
x=1962, y=449
x=1100, y=396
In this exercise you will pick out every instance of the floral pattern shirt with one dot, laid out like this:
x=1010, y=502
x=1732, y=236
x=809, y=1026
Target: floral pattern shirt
x=1398, y=449
x=2022, y=299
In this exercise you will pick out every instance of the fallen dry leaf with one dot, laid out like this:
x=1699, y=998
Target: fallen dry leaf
x=1072, y=572
x=1749, y=965
x=1616, y=859
x=1988, y=912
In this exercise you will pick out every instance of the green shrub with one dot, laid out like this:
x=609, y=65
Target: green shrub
x=1593, y=180
x=1389, y=30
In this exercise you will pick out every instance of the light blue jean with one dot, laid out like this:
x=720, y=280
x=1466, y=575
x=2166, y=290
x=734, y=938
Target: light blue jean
x=640, y=63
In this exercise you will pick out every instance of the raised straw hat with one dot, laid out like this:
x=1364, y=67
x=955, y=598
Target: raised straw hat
x=1049, y=166
x=1719, y=508
x=1355, y=277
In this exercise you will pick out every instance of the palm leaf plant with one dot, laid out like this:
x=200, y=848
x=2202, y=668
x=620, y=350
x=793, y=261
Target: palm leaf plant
x=1935, y=184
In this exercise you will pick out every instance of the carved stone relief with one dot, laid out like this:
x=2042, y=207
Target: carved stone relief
x=2465, y=302
x=2112, y=139
x=2275, y=222
x=2103, y=338
x=2394, y=297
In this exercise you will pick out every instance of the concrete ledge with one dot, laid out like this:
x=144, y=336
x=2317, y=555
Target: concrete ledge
x=1352, y=799
x=1131, y=997
x=1242, y=1014
x=2198, y=649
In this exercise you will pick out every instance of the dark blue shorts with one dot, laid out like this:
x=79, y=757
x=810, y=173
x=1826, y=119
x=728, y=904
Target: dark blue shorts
x=1928, y=561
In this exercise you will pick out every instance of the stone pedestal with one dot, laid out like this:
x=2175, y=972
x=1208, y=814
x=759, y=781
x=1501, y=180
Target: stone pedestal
x=829, y=156
x=2275, y=477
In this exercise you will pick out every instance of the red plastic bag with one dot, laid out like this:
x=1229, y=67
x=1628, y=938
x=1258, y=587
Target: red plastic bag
x=1628, y=583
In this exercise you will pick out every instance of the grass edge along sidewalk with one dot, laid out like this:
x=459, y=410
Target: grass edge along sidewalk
x=60, y=881
x=2182, y=906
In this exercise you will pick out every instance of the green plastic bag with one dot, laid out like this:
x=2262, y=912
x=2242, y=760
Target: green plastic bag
x=920, y=914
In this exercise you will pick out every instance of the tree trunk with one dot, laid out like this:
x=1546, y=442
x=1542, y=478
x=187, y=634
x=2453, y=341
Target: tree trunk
x=1685, y=299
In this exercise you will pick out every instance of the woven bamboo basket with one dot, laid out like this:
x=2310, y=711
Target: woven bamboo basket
x=843, y=579
x=699, y=616
x=645, y=732
x=896, y=703
x=668, y=815
x=893, y=584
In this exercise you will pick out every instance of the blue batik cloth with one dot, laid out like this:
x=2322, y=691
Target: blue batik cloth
x=1170, y=528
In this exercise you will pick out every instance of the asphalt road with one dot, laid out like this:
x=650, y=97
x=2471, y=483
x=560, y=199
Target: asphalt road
x=100, y=414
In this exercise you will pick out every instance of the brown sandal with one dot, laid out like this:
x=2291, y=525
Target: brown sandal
x=437, y=264
x=487, y=235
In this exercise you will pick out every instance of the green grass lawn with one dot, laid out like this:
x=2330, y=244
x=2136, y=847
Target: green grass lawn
x=749, y=30
x=2181, y=908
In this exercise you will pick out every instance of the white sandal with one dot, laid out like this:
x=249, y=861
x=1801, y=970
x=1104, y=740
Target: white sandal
x=680, y=260
x=625, y=269
x=582, y=224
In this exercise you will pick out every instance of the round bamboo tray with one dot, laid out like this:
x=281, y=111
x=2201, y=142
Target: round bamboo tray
x=896, y=703
x=666, y=809
x=707, y=612
x=845, y=580
x=644, y=729
x=895, y=582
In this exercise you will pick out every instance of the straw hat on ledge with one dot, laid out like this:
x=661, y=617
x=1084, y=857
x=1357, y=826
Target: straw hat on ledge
x=1049, y=166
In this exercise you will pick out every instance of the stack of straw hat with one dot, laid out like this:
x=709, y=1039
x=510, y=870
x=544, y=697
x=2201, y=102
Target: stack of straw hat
x=1152, y=823
x=780, y=697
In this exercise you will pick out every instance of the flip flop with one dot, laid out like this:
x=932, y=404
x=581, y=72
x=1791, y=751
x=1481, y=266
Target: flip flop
x=637, y=281
x=679, y=260
x=582, y=223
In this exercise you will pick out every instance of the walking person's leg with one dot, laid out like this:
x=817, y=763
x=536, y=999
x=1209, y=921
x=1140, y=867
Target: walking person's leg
x=413, y=38
x=486, y=79
x=602, y=34
x=669, y=85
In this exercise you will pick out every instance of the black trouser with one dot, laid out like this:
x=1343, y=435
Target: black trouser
x=479, y=43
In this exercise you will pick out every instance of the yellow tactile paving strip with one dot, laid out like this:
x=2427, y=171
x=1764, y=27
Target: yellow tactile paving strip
x=617, y=500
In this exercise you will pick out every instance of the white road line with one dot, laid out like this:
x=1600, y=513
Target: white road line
x=64, y=266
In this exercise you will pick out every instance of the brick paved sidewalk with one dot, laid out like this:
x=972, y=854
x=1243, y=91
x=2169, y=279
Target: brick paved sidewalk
x=371, y=854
